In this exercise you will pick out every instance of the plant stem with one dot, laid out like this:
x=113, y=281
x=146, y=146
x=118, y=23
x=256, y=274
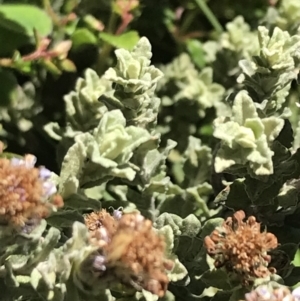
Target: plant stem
x=51, y=13
x=209, y=15
x=187, y=22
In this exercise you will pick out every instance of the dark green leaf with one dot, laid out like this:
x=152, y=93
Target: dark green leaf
x=286, y=234
x=286, y=136
x=8, y=87
x=216, y=278
x=64, y=219
x=82, y=37
x=221, y=296
x=238, y=294
x=261, y=193
x=237, y=198
x=24, y=19
x=16, y=40
x=290, y=249
x=293, y=278
x=81, y=202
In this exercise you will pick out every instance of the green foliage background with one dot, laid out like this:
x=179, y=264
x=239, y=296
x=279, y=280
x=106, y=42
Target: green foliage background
x=184, y=110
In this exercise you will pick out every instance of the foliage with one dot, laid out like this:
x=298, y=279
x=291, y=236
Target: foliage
x=170, y=135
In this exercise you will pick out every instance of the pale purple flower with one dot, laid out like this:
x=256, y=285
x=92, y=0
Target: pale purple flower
x=45, y=173
x=296, y=293
x=99, y=263
x=117, y=214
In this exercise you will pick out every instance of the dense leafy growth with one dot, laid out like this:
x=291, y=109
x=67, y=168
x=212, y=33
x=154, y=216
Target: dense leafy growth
x=150, y=150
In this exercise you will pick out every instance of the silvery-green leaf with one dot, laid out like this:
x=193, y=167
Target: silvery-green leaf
x=21, y=106
x=296, y=143
x=226, y=158
x=135, y=80
x=152, y=163
x=248, y=68
x=246, y=138
x=210, y=226
x=260, y=160
x=199, y=195
x=72, y=166
x=179, y=271
x=42, y=250
x=82, y=106
x=44, y=280
x=103, y=154
x=83, y=109
x=53, y=130
x=197, y=166
x=268, y=76
x=243, y=108
x=278, y=50
x=202, y=90
x=73, y=254
x=173, y=220
x=239, y=38
x=286, y=16
x=189, y=226
x=148, y=296
x=117, y=141
x=272, y=127
x=227, y=132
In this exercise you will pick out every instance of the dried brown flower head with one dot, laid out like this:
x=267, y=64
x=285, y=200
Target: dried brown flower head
x=98, y=220
x=25, y=190
x=102, y=226
x=241, y=247
x=132, y=251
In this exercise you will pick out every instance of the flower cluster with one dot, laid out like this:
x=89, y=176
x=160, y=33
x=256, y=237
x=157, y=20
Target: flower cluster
x=241, y=247
x=266, y=293
x=102, y=226
x=130, y=250
x=25, y=191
